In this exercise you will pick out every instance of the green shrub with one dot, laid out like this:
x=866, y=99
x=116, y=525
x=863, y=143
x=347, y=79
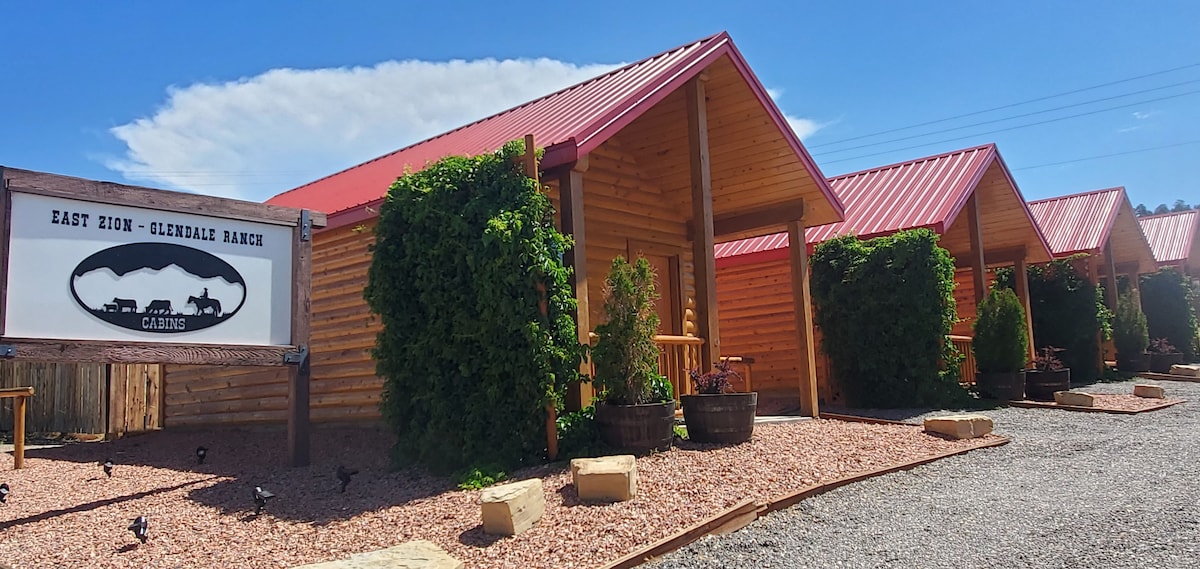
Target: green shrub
x=1068, y=313
x=476, y=478
x=1167, y=302
x=625, y=355
x=1130, y=334
x=1001, y=342
x=578, y=435
x=885, y=307
x=469, y=360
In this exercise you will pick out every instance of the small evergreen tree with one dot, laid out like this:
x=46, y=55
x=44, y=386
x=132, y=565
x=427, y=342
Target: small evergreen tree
x=1130, y=334
x=625, y=356
x=1001, y=342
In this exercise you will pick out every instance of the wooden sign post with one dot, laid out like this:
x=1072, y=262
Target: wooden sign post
x=98, y=272
x=18, y=395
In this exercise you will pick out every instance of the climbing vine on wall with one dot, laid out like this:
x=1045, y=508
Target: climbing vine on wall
x=1068, y=312
x=468, y=358
x=1168, y=304
x=885, y=307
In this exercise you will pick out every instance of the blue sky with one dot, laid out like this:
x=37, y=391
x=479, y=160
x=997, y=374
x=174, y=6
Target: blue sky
x=248, y=99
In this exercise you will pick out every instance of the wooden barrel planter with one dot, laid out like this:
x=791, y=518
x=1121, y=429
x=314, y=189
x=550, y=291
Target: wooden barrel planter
x=636, y=428
x=1006, y=386
x=1134, y=363
x=1041, y=385
x=726, y=418
x=1161, y=363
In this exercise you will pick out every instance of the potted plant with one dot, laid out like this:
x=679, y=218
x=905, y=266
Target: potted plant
x=1130, y=335
x=1001, y=346
x=1163, y=355
x=716, y=414
x=635, y=410
x=1047, y=376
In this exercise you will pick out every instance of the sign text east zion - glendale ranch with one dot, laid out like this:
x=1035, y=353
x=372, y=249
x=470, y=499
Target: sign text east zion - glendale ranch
x=94, y=271
x=110, y=223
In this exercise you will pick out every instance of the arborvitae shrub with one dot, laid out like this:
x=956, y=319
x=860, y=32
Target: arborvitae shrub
x=885, y=307
x=1167, y=302
x=1001, y=342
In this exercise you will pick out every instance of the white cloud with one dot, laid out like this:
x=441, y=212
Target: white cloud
x=1143, y=115
x=801, y=126
x=261, y=135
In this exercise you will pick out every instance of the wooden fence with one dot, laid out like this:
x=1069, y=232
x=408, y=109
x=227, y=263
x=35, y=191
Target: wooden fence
x=85, y=398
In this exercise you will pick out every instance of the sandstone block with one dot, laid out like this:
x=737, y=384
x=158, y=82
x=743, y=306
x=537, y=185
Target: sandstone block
x=1190, y=370
x=607, y=478
x=1075, y=398
x=510, y=509
x=418, y=554
x=965, y=426
x=1149, y=391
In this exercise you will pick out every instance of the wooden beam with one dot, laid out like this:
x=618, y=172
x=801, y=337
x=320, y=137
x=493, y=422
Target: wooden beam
x=19, y=432
x=704, y=263
x=46, y=184
x=89, y=351
x=299, y=376
x=802, y=306
x=1006, y=256
x=1021, y=276
x=739, y=222
x=570, y=196
x=978, y=265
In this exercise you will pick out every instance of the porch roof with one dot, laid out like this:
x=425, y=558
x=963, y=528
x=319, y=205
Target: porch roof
x=568, y=124
x=926, y=192
x=1172, y=236
x=1087, y=221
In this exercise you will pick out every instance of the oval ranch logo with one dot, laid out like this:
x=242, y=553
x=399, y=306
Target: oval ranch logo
x=158, y=287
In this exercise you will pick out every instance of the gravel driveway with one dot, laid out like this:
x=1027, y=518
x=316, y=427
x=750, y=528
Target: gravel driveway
x=1072, y=490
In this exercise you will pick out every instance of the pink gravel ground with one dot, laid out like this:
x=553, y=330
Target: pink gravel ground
x=63, y=512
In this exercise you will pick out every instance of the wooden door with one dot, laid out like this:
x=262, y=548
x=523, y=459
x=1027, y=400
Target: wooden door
x=665, y=262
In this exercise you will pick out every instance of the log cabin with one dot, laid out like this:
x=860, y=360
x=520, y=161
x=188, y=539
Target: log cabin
x=658, y=159
x=967, y=196
x=1101, y=224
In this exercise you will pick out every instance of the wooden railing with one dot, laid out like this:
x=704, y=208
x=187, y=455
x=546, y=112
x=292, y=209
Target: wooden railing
x=966, y=369
x=677, y=355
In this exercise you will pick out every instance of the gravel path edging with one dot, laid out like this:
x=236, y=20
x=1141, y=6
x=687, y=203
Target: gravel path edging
x=1052, y=405
x=743, y=513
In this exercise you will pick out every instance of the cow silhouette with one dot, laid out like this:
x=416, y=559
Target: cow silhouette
x=205, y=305
x=125, y=305
x=158, y=307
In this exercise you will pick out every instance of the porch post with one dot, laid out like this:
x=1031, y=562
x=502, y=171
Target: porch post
x=570, y=195
x=1094, y=276
x=978, y=267
x=1021, y=276
x=802, y=306
x=702, y=220
x=1110, y=293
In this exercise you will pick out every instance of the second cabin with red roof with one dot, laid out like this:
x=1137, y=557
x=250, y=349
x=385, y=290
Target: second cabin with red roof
x=967, y=196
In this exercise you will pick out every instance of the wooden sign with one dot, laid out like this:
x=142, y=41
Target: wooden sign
x=98, y=272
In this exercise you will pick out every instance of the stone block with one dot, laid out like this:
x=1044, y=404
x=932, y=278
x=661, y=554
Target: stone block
x=418, y=554
x=1149, y=391
x=1074, y=398
x=1189, y=370
x=606, y=479
x=965, y=426
x=510, y=509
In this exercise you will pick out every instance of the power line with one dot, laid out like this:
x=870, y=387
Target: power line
x=1010, y=105
x=1099, y=156
x=1026, y=125
x=1002, y=119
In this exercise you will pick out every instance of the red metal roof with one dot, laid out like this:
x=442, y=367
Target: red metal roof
x=1078, y=223
x=926, y=192
x=568, y=124
x=1171, y=235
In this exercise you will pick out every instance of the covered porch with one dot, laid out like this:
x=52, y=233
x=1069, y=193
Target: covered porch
x=1102, y=225
x=713, y=159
